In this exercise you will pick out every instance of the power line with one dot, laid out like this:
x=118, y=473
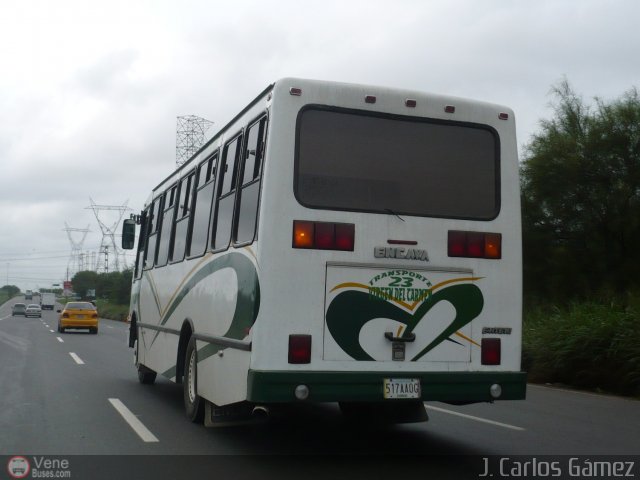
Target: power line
x=30, y=259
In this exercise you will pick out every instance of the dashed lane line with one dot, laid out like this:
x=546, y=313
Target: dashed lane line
x=477, y=419
x=60, y=340
x=143, y=432
x=76, y=358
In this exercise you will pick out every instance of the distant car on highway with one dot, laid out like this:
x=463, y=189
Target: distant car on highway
x=33, y=310
x=78, y=315
x=18, y=309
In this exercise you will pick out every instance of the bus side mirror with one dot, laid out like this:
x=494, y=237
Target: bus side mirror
x=128, y=234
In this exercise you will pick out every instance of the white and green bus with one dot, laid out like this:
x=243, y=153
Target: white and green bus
x=336, y=243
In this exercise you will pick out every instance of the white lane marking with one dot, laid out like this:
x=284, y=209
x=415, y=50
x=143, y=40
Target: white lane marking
x=4, y=318
x=46, y=325
x=52, y=331
x=76, y=358
x=477, y=419
x=108, y=326
x=137, y=426
x=60, y=340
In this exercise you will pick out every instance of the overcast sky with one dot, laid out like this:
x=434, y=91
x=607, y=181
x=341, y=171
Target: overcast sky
x=90, y=91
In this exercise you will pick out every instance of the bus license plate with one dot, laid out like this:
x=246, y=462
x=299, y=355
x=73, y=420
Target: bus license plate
x=401, y=388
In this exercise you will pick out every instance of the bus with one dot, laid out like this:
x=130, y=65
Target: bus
x=336, y=243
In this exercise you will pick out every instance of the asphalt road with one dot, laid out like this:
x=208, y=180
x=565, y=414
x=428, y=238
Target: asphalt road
x=60, y=394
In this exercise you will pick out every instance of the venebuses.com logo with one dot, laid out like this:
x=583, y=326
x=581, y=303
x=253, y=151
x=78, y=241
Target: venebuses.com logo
x=18, y=467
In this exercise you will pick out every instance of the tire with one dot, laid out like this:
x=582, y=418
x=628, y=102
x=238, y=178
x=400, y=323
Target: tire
x=60, y=329
x=193, y=404
x=94, y=330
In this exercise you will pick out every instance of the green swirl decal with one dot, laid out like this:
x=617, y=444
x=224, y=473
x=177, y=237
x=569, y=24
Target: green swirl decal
x=248, y=301
x=351, y=310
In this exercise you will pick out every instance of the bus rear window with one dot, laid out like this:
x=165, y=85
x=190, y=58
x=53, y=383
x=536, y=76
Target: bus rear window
x=357, y=161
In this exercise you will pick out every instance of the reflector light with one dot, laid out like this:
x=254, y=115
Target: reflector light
x=474, y=244
x=295, y=91
x=323, y=235
x=503, y=116
x=490, y=351
x=410, y=103
x=370, y=99
x=299, y=349
x=450, y=109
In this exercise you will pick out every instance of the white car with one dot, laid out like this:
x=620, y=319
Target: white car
x=33, y=310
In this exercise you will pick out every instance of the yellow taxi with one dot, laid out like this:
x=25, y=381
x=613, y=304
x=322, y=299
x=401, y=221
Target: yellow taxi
x=78, y=315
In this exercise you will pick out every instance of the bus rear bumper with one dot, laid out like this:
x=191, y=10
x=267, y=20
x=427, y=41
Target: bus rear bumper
x=453, y=387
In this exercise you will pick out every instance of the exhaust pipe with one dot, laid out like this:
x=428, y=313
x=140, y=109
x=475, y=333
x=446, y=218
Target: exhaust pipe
x=260, y=411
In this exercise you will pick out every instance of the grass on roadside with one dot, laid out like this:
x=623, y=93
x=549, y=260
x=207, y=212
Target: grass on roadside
x=112, y=311
x=586, y=345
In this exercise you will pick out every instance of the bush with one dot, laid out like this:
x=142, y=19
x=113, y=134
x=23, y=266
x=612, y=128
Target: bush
x=112, y=311
x=589, y=345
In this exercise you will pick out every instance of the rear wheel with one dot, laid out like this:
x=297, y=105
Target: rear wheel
x=193, y=404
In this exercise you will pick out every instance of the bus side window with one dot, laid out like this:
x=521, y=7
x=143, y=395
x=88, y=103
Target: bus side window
x=183, y=215
x=202, y=206
x=152, y=237
x=142, y=240
x=166, y=227
x=226, y=193
x=247, y=204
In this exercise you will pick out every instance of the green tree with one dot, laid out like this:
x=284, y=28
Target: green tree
x=113, y=286
x=11, y=290
x=83, y=281
x=581, y=198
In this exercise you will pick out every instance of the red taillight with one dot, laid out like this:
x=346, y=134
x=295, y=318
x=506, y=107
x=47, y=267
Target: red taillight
x=345, y=236
x=490, y=348
x=370, y=99
x=95, y=315
x=299, y=348
x=65, y=315
x=323, y=235
x=474, y=244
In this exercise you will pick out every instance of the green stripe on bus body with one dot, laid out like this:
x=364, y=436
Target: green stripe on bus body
x=325, y=386
x=247, y=305
x=204, y=353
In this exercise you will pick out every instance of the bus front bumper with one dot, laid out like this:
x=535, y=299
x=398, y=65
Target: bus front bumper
x=454, y=387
